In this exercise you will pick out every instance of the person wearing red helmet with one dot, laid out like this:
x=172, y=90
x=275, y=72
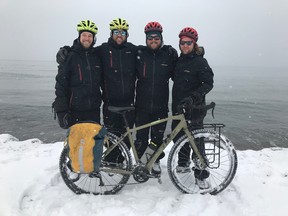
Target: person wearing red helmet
x=155, y=64
x=193, y=79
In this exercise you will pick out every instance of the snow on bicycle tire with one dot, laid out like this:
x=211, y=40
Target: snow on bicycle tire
x=221, y=160
x=102, y=182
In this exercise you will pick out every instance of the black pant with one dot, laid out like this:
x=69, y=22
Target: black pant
x=80, y=116
x=196, y=122
x=115, y=124
x=156, y=131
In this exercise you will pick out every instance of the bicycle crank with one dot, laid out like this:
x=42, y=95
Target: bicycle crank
x=140, y=174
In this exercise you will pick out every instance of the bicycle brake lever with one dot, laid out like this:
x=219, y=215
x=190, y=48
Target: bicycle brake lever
x=213, y=107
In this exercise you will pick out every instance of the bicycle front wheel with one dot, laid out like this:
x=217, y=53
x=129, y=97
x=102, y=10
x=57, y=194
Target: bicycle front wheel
x=107, y=180
x=221, y=161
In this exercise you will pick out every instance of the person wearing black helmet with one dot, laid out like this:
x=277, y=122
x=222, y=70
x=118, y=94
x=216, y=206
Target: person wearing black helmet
x=193, y=79
x=155, y=64
x=77, y=89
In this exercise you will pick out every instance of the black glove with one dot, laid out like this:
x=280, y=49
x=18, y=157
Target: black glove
x=64, y=119
x=62, y=54
x=197, y=97
x=187, y=102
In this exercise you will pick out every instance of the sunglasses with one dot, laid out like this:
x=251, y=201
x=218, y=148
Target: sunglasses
x=186, y=42
x=122, y=33
x=153, y=37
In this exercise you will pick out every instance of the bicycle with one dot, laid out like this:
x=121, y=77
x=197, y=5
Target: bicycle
x=220, y=159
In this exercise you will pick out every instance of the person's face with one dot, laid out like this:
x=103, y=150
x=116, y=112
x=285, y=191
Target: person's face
x=153, y=41
x=186, y=45
x=86, y=39
x=119, y=36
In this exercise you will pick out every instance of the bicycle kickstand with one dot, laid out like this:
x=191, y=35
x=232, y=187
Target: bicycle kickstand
x=97, y=175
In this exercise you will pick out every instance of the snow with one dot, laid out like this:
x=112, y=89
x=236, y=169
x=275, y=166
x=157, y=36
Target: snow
x=30, y=184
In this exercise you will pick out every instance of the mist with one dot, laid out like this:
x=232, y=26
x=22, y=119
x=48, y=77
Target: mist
x=237, y=33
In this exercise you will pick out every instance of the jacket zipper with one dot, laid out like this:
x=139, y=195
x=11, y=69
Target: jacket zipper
x=144, y=70
x=70, y=101
x=121, y=70
x=111, y=58
x=80, y=72
x=89, y=69
x=153, y=82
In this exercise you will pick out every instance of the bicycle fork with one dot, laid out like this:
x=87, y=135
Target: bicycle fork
x=194, y=147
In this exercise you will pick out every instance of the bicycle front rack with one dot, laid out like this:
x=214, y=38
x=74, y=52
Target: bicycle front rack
x=212, y=145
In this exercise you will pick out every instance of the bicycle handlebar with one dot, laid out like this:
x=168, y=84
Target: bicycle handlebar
x=181, y=108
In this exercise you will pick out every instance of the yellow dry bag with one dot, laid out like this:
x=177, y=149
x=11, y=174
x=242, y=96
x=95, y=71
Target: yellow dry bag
x=85, y=146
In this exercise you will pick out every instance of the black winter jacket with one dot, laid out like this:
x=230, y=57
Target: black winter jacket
x=78, y=81
x=119, y=75
x=192, y=77
x=154, y=69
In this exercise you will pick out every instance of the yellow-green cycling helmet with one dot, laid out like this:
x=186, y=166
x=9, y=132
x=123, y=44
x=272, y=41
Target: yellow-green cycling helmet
x=87, y=25
x=119, y=24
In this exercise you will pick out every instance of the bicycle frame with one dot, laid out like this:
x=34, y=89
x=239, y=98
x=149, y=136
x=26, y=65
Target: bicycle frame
x=114, y=173
x=181, y=125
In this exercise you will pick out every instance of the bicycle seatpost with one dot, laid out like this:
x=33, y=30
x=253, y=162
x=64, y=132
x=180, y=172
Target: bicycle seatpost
x=125, y=119
x=121, y=111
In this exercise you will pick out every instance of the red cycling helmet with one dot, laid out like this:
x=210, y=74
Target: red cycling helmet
x=153, y=26
x=189, y=32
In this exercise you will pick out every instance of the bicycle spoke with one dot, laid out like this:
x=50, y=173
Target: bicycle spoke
x=90, y=183
x=221, y=158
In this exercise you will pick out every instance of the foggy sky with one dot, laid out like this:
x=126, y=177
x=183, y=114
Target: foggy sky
x=233, y=32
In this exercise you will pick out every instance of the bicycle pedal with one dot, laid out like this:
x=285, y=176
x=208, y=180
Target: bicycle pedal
x=158, y=176
x=154, y=175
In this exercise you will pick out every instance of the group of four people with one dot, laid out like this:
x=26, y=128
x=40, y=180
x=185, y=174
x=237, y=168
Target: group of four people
x=114, y=71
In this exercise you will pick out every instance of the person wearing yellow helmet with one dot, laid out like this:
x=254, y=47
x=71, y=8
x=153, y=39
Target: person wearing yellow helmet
x=119, y=31
x=77, y=89
x=119, y=75
x=89, y=30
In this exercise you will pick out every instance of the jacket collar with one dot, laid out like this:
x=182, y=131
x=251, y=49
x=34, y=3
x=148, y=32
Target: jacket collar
x=112, y=43
x=78, y=47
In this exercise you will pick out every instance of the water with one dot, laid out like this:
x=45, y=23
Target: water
x=251, y=102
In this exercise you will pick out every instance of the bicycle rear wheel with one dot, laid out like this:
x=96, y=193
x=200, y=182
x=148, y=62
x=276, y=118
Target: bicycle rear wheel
x=222, y=163
x=109, y=183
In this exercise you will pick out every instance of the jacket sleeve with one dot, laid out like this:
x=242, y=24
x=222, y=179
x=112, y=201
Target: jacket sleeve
x=61, y=102
x=173, y=57
x=205, y=76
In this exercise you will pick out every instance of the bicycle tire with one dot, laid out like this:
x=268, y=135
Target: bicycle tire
x=220, y=177
x=88, y=183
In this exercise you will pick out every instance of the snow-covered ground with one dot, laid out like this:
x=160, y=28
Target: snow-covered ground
x=30, y=184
